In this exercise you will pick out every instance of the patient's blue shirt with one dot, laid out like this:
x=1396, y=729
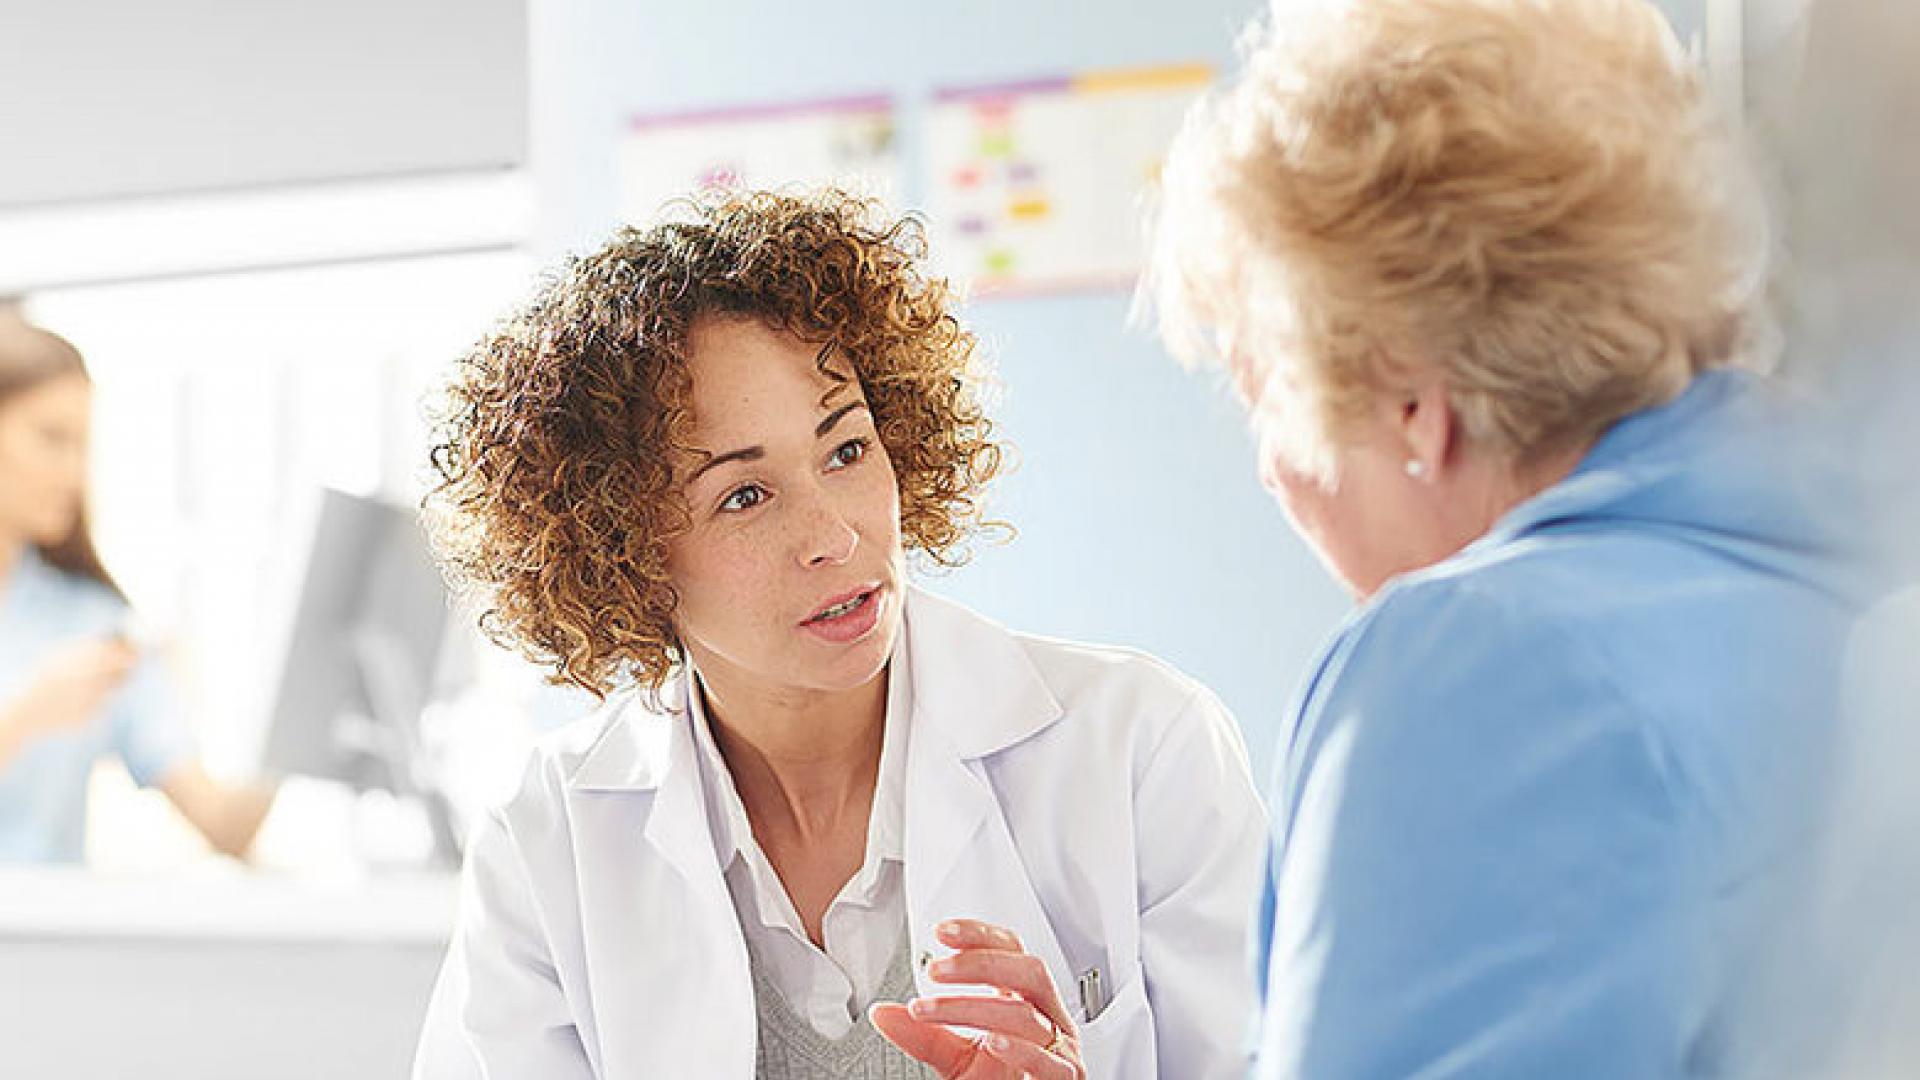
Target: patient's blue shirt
x=43, y=789
x=1540, y=804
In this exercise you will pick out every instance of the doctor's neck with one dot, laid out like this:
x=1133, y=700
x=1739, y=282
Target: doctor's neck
x=812, y=754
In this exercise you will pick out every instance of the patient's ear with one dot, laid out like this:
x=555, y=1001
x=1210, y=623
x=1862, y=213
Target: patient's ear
x=1420, y=416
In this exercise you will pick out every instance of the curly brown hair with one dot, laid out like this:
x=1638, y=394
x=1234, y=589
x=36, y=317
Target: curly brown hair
x=555, y=493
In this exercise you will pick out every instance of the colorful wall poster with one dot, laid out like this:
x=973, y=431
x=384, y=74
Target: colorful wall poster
x=1037, y=186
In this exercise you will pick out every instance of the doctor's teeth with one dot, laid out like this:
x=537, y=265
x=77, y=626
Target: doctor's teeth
x=838, y=610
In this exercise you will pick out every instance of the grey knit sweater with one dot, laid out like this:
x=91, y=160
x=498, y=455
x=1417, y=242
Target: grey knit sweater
x=790, y=1049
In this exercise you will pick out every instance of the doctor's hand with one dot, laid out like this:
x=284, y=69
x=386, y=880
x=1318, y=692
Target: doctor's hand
x=1024, y=1029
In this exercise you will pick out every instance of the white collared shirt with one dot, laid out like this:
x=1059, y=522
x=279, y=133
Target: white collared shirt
x=862, y=927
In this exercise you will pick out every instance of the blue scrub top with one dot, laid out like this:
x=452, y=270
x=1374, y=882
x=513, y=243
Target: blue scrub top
x=43, y=790
x=1538, y=804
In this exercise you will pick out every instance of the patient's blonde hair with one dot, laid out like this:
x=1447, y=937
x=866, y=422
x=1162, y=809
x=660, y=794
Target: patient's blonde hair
x=1528, y=194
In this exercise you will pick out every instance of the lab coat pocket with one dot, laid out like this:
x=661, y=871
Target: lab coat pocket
x=1118, y=1044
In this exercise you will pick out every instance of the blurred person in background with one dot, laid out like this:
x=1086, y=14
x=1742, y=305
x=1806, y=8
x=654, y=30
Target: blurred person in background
x=1483, y=272
x=73, y=688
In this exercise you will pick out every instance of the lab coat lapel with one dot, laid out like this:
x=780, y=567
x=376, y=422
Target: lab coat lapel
x=668, y=964
x=975, y=693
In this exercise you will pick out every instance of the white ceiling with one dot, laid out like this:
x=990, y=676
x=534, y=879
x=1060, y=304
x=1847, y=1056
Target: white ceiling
x=107, y=99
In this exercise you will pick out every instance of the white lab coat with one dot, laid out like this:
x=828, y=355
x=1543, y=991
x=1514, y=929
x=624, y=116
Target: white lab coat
x=1092, y=800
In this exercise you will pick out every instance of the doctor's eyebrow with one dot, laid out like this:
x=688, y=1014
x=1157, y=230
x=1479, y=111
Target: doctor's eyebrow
x=751, y=453
x=836, y=416
x=755, y=453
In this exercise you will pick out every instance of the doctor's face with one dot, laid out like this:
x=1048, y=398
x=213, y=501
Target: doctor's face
x=789, y=577
x=43, y=459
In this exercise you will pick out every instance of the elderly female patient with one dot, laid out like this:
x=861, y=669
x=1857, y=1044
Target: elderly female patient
x=688, y=472
x=1475, y=266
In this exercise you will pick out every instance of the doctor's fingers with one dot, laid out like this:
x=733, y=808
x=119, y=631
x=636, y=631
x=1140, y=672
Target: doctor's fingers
x=1013, y=1017
x=974, y=934
x=950, y=1053
x=1036, y=1062
x=1020, y=974
x=991, y=1057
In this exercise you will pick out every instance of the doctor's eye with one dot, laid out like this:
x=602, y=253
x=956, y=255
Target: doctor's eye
x=847, y=453
x=744, y=497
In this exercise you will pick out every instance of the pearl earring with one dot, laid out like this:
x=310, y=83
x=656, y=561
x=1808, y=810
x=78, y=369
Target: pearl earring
x=1416, y=468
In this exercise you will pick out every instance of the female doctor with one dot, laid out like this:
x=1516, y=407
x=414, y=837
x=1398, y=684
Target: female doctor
x=836, y=826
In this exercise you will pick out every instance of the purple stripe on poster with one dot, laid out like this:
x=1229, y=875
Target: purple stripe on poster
x=948, y=94
x=864, y=103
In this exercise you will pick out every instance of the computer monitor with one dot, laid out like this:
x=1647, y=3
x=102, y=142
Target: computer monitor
x=359, y=657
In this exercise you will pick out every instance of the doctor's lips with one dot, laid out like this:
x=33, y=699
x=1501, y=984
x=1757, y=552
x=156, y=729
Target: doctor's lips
x=843, y=606
x=846, y=618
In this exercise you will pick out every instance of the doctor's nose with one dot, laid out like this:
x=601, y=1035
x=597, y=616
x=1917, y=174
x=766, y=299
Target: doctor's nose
x=827, y=538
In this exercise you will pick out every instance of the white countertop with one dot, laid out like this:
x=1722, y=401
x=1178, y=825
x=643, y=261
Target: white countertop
x=226, y=904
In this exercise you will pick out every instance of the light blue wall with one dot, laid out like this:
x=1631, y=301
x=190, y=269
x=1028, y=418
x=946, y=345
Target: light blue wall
x=1140, y=518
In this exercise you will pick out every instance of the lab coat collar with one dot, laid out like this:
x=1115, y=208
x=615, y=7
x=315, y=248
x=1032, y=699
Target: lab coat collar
x=974, y=686
x=637, y=743
x=975, y=692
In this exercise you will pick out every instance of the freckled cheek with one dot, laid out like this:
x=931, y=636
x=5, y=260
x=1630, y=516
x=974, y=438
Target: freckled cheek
x=878, y=508
x=870, y=502
x=724, y=584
